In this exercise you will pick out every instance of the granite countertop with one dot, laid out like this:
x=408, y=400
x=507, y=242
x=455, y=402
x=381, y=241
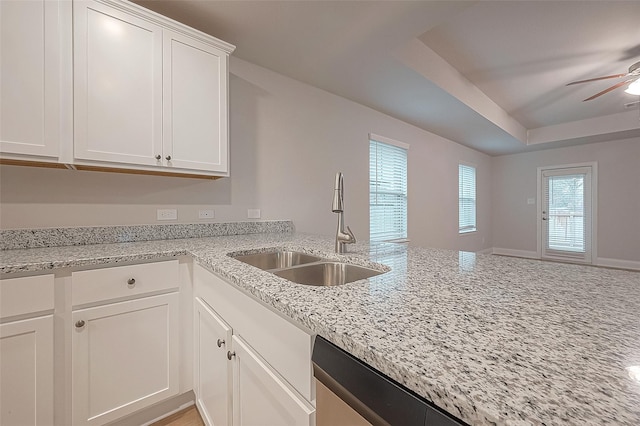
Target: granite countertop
x=489, y=339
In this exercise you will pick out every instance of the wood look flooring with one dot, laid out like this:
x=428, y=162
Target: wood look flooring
x=187, y=417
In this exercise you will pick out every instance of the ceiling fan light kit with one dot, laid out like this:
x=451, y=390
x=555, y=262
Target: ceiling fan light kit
x=634, y=88
x=633, y=80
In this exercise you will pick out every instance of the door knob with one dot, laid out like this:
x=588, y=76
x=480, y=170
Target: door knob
x=158, y=157
x=230, y=355
x=131, y=282
x=168, y=157
x=220, y=343
x=79, y=324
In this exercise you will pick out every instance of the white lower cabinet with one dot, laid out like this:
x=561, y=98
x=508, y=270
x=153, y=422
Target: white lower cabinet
x=122, y=346
x=260, y=395
x=125, y=354
x=212, y=370
x=125, y=357
x=26, y=371
x=26, y=351
x=252, y=367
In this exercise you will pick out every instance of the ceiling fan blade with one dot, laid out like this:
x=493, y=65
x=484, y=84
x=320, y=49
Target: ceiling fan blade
x=630, y=104
x=597, y=78
x=609, y=89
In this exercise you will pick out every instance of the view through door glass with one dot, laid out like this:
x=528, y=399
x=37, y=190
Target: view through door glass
x=566, y=214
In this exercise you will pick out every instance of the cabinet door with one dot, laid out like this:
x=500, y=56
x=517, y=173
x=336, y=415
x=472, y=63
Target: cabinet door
x=30, y=77
x=261, y=396
x=117, y=86
x=26, y=372
x=212, y=369
x=124, y=357
x=195, y=104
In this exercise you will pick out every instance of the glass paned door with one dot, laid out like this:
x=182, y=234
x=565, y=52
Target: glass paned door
x=566, y=214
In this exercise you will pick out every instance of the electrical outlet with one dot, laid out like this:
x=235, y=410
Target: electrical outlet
x=206, y=214
x=253, y=213
x=167, y=214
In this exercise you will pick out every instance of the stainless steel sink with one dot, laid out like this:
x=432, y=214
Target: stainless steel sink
x=327, y=273
x=277, y=259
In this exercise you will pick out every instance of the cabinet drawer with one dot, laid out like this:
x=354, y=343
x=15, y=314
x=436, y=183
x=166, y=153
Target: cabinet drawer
x=122, y=281
x=19, y=296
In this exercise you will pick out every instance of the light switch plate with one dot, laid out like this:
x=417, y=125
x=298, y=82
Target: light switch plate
x=531, y=200
x=253, y=213
x=167, y=214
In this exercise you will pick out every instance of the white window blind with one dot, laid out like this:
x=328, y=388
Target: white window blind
x=387, y=192
x=466, y=198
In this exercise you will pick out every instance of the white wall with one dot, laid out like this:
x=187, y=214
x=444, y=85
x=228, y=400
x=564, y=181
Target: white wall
x=305, y=135
x=618, y=226
x=287, y=141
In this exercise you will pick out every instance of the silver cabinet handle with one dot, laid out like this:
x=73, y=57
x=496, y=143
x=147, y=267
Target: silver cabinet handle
x=158, y=157
x=131, y=282
x=220, y=343
x=168, y=157
x=79, y=324
x=230, y=355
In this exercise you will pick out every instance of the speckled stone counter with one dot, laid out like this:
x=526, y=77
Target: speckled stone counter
x=489, y=339
x=13, y=239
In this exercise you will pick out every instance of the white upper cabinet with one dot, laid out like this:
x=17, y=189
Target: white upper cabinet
x=195, y=97
x=109, y=84
x=118, y=86
x=150, y=94
x=32, y=41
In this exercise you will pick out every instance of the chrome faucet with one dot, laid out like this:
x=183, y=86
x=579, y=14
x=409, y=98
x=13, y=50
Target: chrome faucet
x=343, y=237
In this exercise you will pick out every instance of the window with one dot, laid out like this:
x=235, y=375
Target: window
x=387, y=190
x=466, y=198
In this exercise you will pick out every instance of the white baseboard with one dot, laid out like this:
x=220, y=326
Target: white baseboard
x=150, y=415
x=617, y=263
x=486, y=251
x=601, y=261
x=516, y=253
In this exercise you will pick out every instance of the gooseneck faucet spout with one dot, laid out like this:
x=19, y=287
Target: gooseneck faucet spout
x=343, y=237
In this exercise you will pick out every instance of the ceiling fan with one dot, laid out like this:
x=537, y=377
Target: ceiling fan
x=633, y=81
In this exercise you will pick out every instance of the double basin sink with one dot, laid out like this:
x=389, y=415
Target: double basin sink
x=306, y=269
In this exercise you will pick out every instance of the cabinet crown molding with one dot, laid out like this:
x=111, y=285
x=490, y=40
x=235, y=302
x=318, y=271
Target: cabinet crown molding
x=156, y=18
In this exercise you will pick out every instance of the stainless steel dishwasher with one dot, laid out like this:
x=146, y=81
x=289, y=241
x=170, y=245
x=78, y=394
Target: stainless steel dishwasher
x=375, y=398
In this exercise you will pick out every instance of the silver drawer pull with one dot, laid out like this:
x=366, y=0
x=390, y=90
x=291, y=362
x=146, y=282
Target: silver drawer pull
x=220, y=343
x=230, y=355
x=79, y=324
x=131, y=281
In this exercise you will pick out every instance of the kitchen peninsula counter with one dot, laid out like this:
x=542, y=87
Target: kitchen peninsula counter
x=489, y=339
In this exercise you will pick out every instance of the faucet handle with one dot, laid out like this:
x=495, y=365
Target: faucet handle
x=353, y=237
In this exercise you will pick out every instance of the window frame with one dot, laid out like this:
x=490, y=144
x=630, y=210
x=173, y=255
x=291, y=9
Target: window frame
x=383, y=236
x=467, y=229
